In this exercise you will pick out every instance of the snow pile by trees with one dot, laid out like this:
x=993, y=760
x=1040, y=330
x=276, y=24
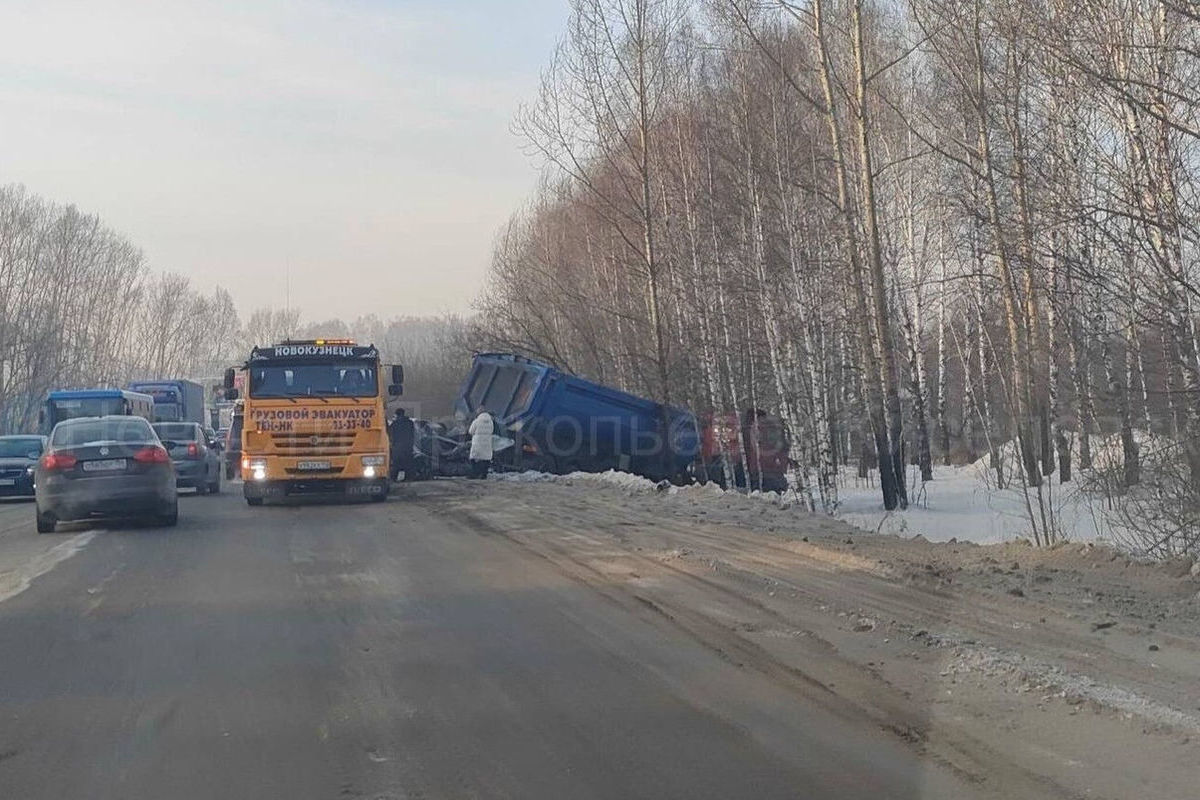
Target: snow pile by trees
x=920, y=231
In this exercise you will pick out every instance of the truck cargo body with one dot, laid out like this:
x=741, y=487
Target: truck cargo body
x=565, y=423
x=174, y=400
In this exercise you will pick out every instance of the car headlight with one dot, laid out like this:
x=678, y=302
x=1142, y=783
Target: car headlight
x=373, y=461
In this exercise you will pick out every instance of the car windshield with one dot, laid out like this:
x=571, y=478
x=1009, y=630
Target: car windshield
x=176, y=432
x=20, y=448
x=128, y=430
x=314, y=380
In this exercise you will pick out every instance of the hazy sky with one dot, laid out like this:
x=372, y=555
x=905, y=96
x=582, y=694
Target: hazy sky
x=362, y=144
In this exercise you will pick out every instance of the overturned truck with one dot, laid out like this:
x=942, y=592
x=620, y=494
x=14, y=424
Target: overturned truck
x=562, y=423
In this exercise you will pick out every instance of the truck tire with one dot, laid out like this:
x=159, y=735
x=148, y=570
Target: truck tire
x=254, y=501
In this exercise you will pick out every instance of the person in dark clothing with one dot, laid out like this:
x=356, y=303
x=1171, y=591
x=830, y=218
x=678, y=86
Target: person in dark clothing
x=400, y=433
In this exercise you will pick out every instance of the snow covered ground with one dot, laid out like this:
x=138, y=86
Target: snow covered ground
x=961, y=502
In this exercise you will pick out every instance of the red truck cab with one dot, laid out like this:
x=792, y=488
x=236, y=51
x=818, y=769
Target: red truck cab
x=754, y=444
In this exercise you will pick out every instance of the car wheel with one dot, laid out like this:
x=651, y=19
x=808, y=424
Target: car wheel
x=45, y=522
x=254, y=501
x=201, y=487
x=169, y=519
x=215, y=486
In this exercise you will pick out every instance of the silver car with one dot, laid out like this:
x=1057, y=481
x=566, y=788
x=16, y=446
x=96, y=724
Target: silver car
x=197, y=460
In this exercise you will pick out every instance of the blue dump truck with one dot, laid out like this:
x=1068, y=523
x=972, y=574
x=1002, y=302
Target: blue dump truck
x=562, y=423
x=174, y=400
x=71, y=403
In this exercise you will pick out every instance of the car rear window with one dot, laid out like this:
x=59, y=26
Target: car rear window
x=129, y=430
x=20, y=448
x=176, y=432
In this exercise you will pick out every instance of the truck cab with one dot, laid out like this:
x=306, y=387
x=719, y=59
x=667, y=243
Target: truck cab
x=313, y=420
x=175, y=400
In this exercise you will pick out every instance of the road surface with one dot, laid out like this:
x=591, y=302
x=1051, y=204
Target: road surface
x=395, y=650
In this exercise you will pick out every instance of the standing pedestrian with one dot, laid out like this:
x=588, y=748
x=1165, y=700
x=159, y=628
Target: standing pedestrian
x=481, y=430
x=400, y=434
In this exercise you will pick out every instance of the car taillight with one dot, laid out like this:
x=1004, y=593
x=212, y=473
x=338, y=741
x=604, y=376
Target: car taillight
x=152, y=455
x=52, y=461
x=193, y=449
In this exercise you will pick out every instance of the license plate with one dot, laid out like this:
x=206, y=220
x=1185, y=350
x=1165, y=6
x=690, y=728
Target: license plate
x=105, y=465
x=8, y=481
x=313, y=466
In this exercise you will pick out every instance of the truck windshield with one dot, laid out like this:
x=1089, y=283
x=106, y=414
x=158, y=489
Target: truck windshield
x=314, y=380
x=74, y=408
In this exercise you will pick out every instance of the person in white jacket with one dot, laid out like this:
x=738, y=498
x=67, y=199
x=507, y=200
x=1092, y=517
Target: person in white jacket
x=481, y=430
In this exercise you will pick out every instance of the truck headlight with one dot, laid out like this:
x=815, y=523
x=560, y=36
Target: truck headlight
x=373, y=461
x=257, y=467
x=368, y=472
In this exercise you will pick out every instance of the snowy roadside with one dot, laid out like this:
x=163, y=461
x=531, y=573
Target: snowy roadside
x=961, y=503
x=970, y=541
x=1083, y=650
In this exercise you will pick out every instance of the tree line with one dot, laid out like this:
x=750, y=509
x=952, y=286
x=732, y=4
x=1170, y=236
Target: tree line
x=921, y=232
x=81, y=307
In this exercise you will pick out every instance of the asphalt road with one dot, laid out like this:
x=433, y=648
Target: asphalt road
x=382, y=651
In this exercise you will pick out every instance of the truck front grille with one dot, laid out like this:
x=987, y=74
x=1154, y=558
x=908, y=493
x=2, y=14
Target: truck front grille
x=322, y=444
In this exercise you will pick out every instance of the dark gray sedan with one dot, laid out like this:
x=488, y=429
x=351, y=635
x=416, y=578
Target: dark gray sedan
x=18, y=458
x=105, y=467
x=197, y=461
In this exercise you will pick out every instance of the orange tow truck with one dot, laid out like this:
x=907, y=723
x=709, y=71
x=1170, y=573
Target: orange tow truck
x=314, y=419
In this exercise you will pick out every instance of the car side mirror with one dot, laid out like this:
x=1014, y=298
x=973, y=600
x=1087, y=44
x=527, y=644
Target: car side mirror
x=395, y=390
x=397, y=374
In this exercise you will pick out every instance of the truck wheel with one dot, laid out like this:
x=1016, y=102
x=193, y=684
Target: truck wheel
x=45, y=523
x=254, y=501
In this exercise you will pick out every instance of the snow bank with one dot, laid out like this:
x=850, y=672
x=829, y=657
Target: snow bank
x=960, y=503
x=621, y=480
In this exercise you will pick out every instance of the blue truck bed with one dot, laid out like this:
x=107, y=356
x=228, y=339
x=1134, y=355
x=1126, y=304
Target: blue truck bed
x=566, y=423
